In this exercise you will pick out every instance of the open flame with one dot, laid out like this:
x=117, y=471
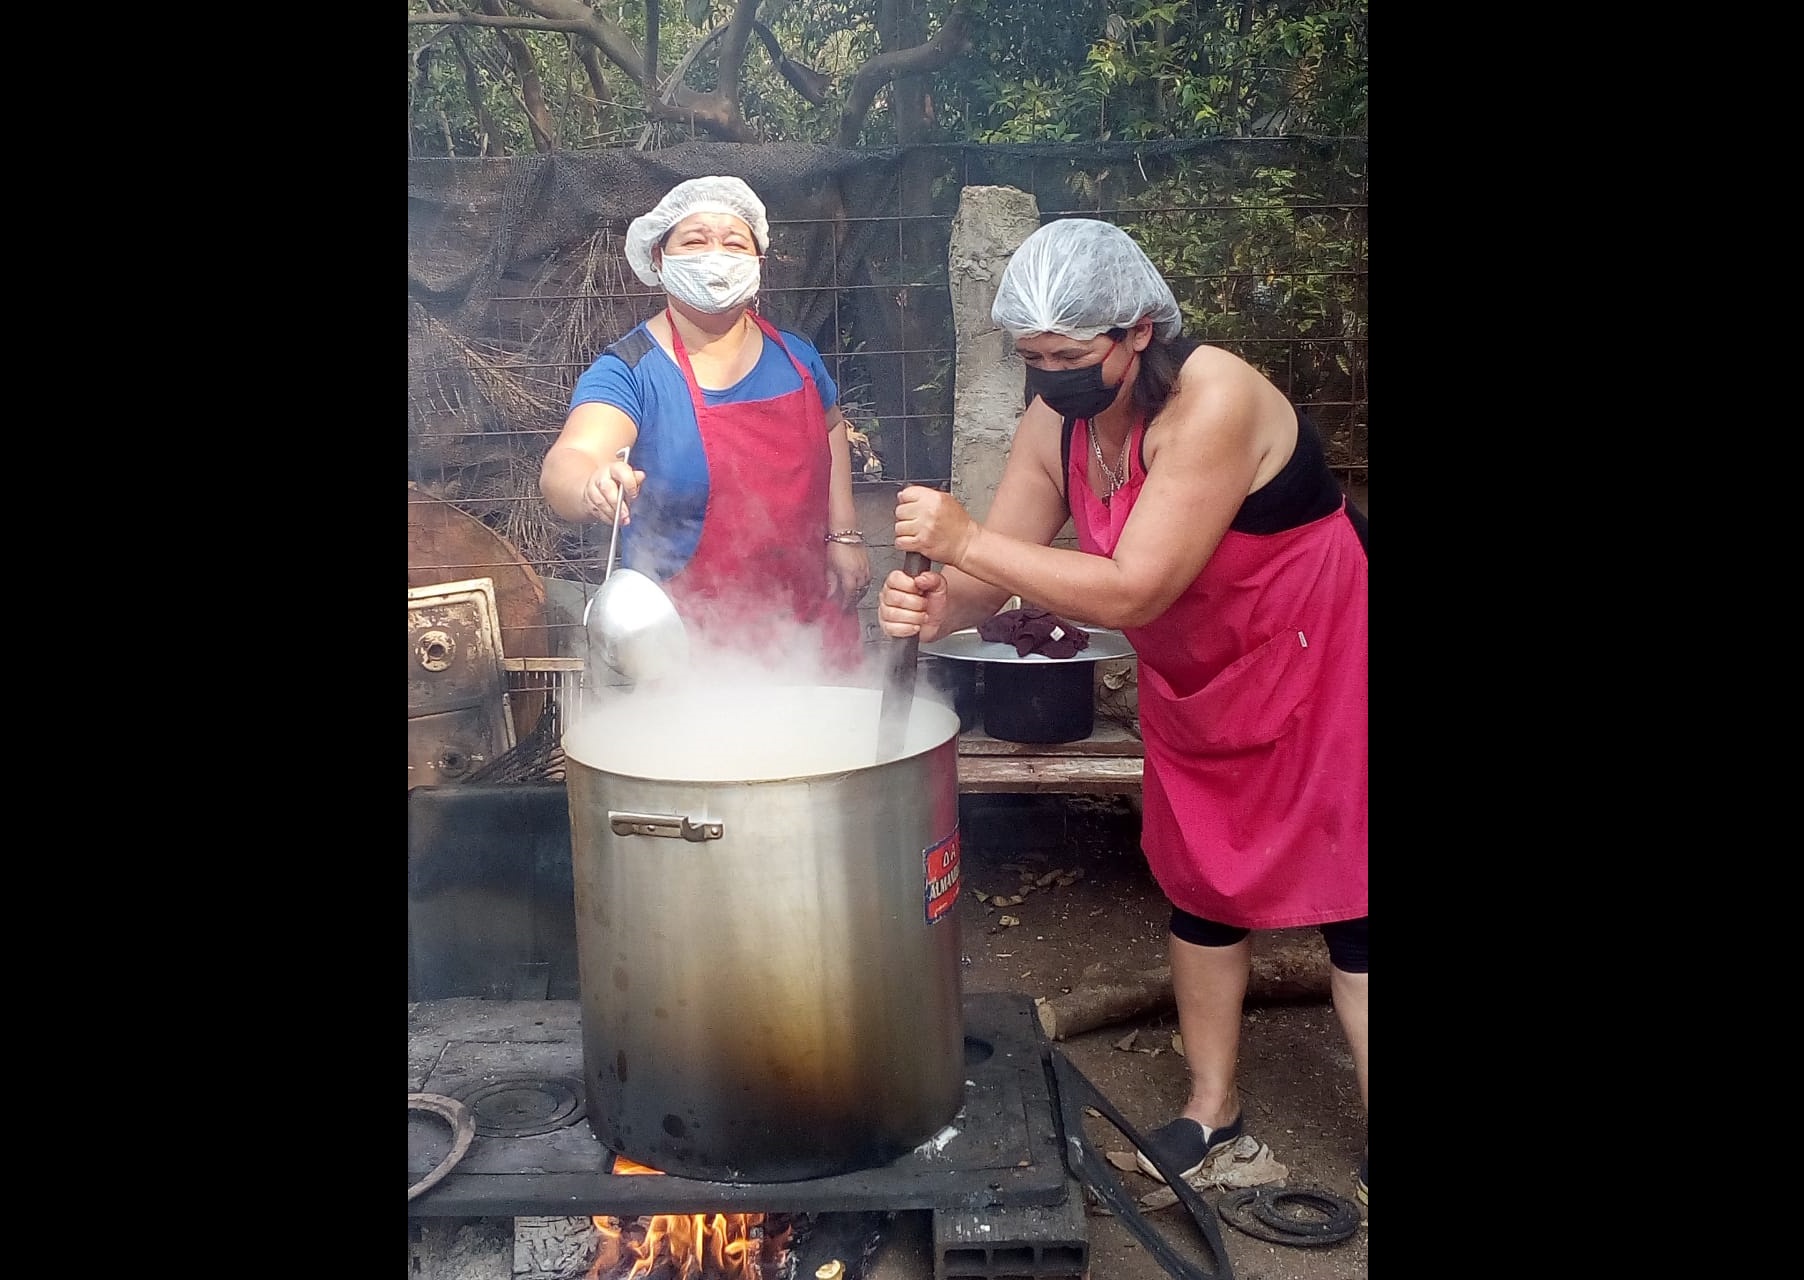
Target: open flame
x=682, y=1246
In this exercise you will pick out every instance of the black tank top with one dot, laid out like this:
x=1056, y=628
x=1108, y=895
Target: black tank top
x=1305, y=489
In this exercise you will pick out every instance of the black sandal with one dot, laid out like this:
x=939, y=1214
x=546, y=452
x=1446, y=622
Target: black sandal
x=1185, y=1145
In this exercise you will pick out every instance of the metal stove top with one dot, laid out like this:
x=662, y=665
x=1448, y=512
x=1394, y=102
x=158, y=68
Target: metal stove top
x=517, y=1065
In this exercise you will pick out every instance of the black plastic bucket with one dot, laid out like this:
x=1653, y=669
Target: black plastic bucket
x=956, y=684
x=1039, y=701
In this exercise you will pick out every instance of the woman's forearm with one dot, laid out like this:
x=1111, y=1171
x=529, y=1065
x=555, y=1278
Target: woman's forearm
x=562, y=478
x=842, y=512
x=1087, y=589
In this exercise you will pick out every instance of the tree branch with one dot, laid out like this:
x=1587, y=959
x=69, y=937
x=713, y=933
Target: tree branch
x=459, y=19
x=532, y=93
x=713, y=112
x=716, y=113
x=1240, y=46
x=707, y=111
x=885, y=67
x=485, y=123
x=805, y=80
x=604, y=97
x=651, y=38
x=680, y=104
x=674, y=85
x=615, y=45
x=732, y=52
x=673, y=88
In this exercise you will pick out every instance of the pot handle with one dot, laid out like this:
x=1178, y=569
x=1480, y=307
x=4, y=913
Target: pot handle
x=675, y=826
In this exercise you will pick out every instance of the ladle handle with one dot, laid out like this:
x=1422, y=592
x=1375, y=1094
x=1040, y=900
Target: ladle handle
x=619, y=506
x=907, y=657
x=613, y=541
x=899, y=681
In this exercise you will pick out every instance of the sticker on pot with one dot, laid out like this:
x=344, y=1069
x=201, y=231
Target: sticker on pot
x=942, y=877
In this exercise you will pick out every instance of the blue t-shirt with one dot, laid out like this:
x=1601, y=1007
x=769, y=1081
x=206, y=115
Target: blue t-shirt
x=638, y=378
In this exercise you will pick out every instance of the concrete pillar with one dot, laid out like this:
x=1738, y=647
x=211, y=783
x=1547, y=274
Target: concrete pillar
x=990, y=225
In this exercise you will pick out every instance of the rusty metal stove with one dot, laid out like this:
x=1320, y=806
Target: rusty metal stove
x=489, y=909
x=517, y=1065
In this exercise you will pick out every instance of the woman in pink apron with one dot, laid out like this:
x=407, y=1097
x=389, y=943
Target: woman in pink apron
x=1213, y=534
x=739, y=491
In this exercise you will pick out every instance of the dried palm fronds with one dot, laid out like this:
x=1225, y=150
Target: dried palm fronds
x=584, y=317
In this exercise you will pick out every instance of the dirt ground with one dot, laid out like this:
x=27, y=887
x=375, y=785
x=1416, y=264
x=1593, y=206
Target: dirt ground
x=1296, y=1076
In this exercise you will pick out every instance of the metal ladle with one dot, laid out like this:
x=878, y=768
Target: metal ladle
x=631, y=619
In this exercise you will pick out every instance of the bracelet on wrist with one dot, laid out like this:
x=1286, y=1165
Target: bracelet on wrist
x=850, y=537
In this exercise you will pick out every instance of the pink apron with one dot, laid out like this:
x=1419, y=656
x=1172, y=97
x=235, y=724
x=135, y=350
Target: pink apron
x=1253, y=710
x=760, y=566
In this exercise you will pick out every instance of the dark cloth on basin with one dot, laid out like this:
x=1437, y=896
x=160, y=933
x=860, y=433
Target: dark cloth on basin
x=1033, y=630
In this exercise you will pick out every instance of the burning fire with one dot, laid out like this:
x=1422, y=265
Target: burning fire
x=680, y=1246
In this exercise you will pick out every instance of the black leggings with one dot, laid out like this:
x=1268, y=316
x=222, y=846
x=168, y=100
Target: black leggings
x=1346, y=939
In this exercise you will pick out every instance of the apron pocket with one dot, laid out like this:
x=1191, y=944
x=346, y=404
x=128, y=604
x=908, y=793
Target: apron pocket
x=1255, y=700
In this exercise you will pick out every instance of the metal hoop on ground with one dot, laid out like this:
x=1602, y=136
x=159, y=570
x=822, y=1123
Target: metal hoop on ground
x=463, y=1133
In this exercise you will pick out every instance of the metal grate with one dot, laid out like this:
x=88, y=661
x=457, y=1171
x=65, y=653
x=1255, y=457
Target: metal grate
x=561, y=678
x=546, y=695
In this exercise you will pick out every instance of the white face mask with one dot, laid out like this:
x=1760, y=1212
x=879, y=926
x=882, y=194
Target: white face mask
x=711, y=281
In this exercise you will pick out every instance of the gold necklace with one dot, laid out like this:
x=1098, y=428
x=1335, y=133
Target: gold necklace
x=1117, y=477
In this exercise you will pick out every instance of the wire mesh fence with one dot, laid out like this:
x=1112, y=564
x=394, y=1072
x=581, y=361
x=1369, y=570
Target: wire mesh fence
x=517, y=283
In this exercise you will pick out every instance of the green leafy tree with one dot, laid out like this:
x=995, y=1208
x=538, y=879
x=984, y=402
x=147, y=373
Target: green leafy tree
x=500, y=76
x=1141, y=69
x=492, y=77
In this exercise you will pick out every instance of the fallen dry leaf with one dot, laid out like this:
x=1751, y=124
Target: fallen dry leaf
x=1006, y=921
x=1124, y=1161
x=1247, y=1162
x=1127, y=1041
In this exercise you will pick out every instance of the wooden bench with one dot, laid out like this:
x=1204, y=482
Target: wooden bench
x=1107, y=763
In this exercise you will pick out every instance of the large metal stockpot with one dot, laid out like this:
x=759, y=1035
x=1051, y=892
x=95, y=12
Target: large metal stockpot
x=768, y=948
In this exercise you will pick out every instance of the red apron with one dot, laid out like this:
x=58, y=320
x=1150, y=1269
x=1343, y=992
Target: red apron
x=760, y=567
x=1253, y=710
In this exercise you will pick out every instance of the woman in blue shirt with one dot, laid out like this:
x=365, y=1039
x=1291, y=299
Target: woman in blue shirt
x=739, y=492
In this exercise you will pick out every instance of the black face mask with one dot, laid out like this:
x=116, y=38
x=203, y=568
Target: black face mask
x=1073, y=393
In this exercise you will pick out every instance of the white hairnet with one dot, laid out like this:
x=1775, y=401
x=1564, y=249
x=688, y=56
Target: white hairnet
x=1079, y=277
x=697, y=195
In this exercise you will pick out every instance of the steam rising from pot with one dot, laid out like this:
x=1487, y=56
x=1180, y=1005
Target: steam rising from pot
x=769, y=707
